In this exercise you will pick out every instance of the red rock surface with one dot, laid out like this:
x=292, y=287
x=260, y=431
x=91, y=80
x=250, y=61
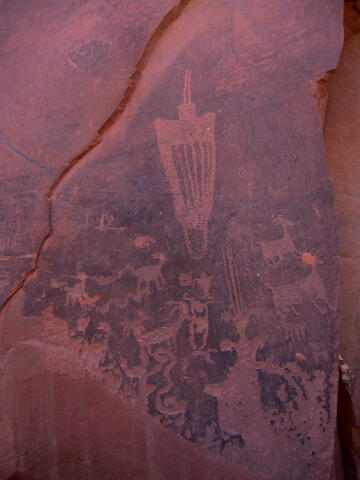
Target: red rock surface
x=342, y=140
x=181, y=316
x=64, y=67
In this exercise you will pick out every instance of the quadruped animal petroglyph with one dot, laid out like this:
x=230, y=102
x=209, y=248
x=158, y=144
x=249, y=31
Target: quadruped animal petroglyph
x=150, y=273
x=188, y=156
x=311, y=288
x=277, y=249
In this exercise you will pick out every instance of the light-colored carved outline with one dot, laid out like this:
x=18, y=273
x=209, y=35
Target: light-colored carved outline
x=188, y=156
x=232, y=279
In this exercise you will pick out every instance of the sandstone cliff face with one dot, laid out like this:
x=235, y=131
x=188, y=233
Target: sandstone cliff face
x=342, y=123
x=169, y=241
x=64, y=67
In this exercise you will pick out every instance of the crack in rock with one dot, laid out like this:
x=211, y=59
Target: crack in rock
x=172, y=15
x=30, y=272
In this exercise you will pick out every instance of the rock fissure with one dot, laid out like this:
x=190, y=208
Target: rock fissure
x=31, y=272
x=172, y=15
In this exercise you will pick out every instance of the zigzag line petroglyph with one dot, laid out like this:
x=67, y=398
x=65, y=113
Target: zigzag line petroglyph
x=188, y=156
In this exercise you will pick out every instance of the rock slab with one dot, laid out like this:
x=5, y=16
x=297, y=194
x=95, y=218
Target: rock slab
x=342, y=124
x=182, y=314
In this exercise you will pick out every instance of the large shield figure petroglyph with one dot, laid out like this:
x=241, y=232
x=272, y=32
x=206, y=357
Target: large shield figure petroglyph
x=188, y=156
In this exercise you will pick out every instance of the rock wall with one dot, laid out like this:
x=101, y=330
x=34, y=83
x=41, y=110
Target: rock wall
x=342, y=123
x=169, y=247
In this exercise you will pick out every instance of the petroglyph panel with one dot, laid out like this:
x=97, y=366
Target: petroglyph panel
x=203, y=333
x=191, y=266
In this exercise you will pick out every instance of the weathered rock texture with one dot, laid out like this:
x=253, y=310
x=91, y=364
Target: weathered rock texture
x=175, y=312
x=64, y=67
x=341, y=132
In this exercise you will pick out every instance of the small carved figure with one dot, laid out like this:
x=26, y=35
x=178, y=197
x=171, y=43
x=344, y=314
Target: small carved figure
x=77, y=292
x=277, y=249
x=148, y=274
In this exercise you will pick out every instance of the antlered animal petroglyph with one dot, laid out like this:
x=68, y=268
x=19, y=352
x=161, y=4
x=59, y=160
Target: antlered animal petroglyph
x=188, y=156
x=277, y=249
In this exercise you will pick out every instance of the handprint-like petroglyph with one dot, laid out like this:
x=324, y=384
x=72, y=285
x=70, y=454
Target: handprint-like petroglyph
x=277, y=249
x=188, y=156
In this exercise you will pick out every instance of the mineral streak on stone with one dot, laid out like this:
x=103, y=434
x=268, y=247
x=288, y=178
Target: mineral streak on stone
x=182, y=319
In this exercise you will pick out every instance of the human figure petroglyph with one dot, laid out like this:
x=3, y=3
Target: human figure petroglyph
x=199, y=323
x=205, y=283
x=277, y=249
x=197, y=313
x=104, y=221
x=188, y=156
x=194, y=310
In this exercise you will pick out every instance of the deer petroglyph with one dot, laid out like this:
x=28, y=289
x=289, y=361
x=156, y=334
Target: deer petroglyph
x=277, y=249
